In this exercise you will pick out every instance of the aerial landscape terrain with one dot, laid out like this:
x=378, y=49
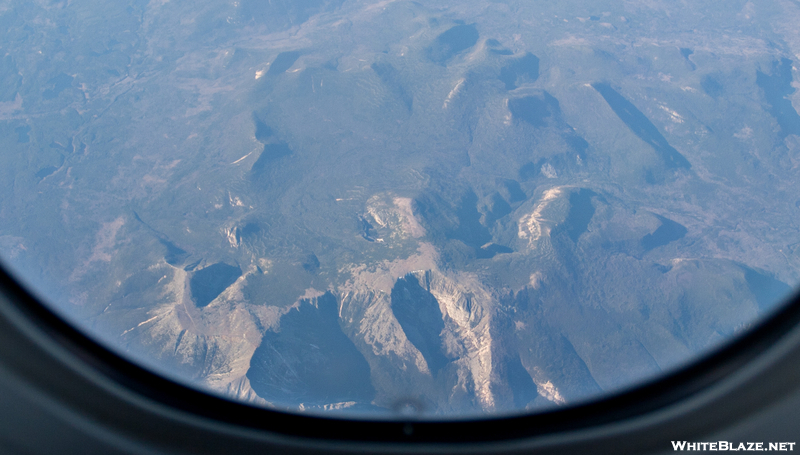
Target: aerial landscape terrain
x=377, y=207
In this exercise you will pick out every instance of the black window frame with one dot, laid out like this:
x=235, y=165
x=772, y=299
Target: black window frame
x=64, y=365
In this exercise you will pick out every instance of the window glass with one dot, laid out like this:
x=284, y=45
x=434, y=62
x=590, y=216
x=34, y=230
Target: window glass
x=434, y=208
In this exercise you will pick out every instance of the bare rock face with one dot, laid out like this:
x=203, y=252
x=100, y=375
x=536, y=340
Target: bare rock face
x=213, y=344
x=404, y=332
x=429, y=341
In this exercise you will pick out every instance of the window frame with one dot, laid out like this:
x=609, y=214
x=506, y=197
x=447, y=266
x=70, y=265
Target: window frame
x=65, y=369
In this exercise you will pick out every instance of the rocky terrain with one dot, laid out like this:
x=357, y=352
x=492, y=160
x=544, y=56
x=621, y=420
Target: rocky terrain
x=379, y=207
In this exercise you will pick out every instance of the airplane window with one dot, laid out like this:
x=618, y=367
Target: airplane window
x=374, y=209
